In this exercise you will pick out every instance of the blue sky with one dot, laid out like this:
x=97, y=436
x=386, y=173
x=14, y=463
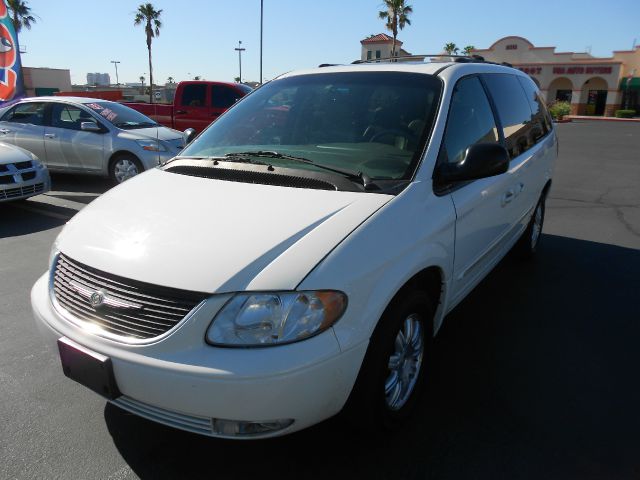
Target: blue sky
x=199, y=36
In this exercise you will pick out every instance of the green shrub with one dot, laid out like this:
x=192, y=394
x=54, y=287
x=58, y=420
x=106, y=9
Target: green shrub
x=559, y=109
x=625, y=113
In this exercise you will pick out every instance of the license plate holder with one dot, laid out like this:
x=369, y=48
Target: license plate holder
x=91, y=369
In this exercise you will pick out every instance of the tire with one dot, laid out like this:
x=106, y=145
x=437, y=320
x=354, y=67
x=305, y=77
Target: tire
x=124, y=166
x=378, y=403
x=527, y=245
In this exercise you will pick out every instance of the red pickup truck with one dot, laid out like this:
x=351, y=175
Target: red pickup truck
x=196, y=104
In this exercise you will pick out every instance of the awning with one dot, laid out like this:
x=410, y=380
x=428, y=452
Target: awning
x=634, y=83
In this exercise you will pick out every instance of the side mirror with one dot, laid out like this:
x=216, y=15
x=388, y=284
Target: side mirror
x=188, y=135
x=90, y=127
x=481, y=160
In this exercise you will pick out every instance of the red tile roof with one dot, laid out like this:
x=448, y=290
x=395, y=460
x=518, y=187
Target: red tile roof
x=380, y=38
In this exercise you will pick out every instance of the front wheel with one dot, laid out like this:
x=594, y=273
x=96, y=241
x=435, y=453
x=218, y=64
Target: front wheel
x=395, y=366
x=527, y=245
x=123, y=167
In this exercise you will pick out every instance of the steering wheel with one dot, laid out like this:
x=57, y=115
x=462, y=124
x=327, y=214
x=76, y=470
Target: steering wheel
x=395, y=132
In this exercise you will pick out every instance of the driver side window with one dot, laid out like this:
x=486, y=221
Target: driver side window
x=470, y=120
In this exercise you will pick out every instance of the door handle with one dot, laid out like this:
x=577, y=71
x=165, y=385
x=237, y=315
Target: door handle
x=508, y=196
x=50, y=135
x=180, y=112
x=4, y=131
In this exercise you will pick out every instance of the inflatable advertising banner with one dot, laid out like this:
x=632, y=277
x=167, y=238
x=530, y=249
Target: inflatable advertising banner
x=11, y=84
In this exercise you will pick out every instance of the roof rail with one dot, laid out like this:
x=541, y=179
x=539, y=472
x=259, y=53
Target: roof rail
x=440, y=57
x=322, y=65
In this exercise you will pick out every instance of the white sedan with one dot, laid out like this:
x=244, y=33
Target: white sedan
x=22, y=175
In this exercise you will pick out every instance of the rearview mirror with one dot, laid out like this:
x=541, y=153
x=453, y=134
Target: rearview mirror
x=90, y=127
x=481, y=160
x=188, y=135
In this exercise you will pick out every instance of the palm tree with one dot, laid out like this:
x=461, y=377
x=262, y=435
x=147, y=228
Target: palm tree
x=397, y=16
x=150, y=17
x=142, y=80
x=20, y=15
x=170, y=80
x=468, y=50
x=451, y=48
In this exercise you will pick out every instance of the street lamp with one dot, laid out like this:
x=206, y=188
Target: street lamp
x=240, y=50
x=115, y=63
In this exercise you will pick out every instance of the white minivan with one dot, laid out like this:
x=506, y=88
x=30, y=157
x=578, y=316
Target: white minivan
x=298, y=257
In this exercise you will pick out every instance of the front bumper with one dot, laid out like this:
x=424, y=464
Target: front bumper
x=185, y=383
x=41, y=183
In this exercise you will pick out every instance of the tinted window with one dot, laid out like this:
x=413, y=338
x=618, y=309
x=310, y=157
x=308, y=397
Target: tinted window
x=513, y=111
x=470, y=120
x=223, y=97
x=539, y=113
x=68, y=116
x=30, y=112
x=194, y=95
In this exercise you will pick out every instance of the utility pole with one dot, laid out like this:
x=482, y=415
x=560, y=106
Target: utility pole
x=261, y=22
x=240, y=50
x=116, y=62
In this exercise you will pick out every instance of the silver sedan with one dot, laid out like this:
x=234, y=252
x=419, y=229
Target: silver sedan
x=87, y=135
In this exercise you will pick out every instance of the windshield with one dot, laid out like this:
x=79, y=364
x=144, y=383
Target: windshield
x=375, y=123
x=120, y=115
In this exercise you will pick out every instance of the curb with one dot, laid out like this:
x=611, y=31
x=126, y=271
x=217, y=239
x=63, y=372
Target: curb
x=600, y=119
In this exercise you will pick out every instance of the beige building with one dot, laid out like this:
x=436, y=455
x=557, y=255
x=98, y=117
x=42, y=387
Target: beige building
x=45, y=81
x=593, y=85
x=380, y=46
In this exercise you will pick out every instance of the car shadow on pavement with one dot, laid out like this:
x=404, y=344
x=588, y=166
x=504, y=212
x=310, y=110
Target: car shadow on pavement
x=18, y=218
x=534, y=376
x=66, y=182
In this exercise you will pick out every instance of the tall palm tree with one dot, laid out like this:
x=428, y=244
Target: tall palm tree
x=451, y=48
x=397, y=16
x=150, y=17
x=468, y=50
x=20, y=14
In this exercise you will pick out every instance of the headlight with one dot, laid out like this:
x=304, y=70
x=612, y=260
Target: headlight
x=151, y=145
x=274, y=318
x=36, y=161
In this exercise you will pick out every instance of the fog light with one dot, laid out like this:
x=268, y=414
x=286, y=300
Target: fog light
x=239, y=428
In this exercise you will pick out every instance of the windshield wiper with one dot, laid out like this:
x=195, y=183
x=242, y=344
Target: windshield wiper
x=359, y=177
x=229, y=157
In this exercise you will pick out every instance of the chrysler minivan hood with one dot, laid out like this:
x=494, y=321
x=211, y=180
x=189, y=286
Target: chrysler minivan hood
x=214, y=236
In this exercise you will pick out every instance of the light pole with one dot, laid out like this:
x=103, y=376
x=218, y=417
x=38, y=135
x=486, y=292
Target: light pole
x=115, y=63
x=240, y=50
x=261, y=22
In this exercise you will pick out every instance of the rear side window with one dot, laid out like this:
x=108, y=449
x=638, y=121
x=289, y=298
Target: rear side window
x=513, y=110
x=223, y=97
x=539, y=113
x=470, y=120
x=30, y=112
x=194, y=95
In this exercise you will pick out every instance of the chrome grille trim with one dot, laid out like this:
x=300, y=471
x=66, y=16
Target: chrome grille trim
x=158, y=310
x=190, y=423
x=18, y=192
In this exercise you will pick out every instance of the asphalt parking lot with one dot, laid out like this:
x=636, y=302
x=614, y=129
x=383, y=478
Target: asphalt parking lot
x=535, y=372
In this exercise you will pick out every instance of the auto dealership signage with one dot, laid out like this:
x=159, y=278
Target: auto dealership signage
x=570, y=70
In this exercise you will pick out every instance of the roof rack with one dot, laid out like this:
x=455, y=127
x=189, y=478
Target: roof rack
x=441, y=57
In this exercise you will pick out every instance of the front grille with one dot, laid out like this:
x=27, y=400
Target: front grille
x=130, y=309
x=23, y=165
x=21, y=191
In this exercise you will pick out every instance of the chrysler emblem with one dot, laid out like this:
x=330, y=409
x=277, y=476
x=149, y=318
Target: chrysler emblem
x=99, y=298
x=96, y=299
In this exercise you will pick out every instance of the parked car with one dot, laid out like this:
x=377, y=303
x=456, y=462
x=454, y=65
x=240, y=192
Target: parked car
x=278, y=272
x=87, y=135
x=195, y=105
x=22, y=175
